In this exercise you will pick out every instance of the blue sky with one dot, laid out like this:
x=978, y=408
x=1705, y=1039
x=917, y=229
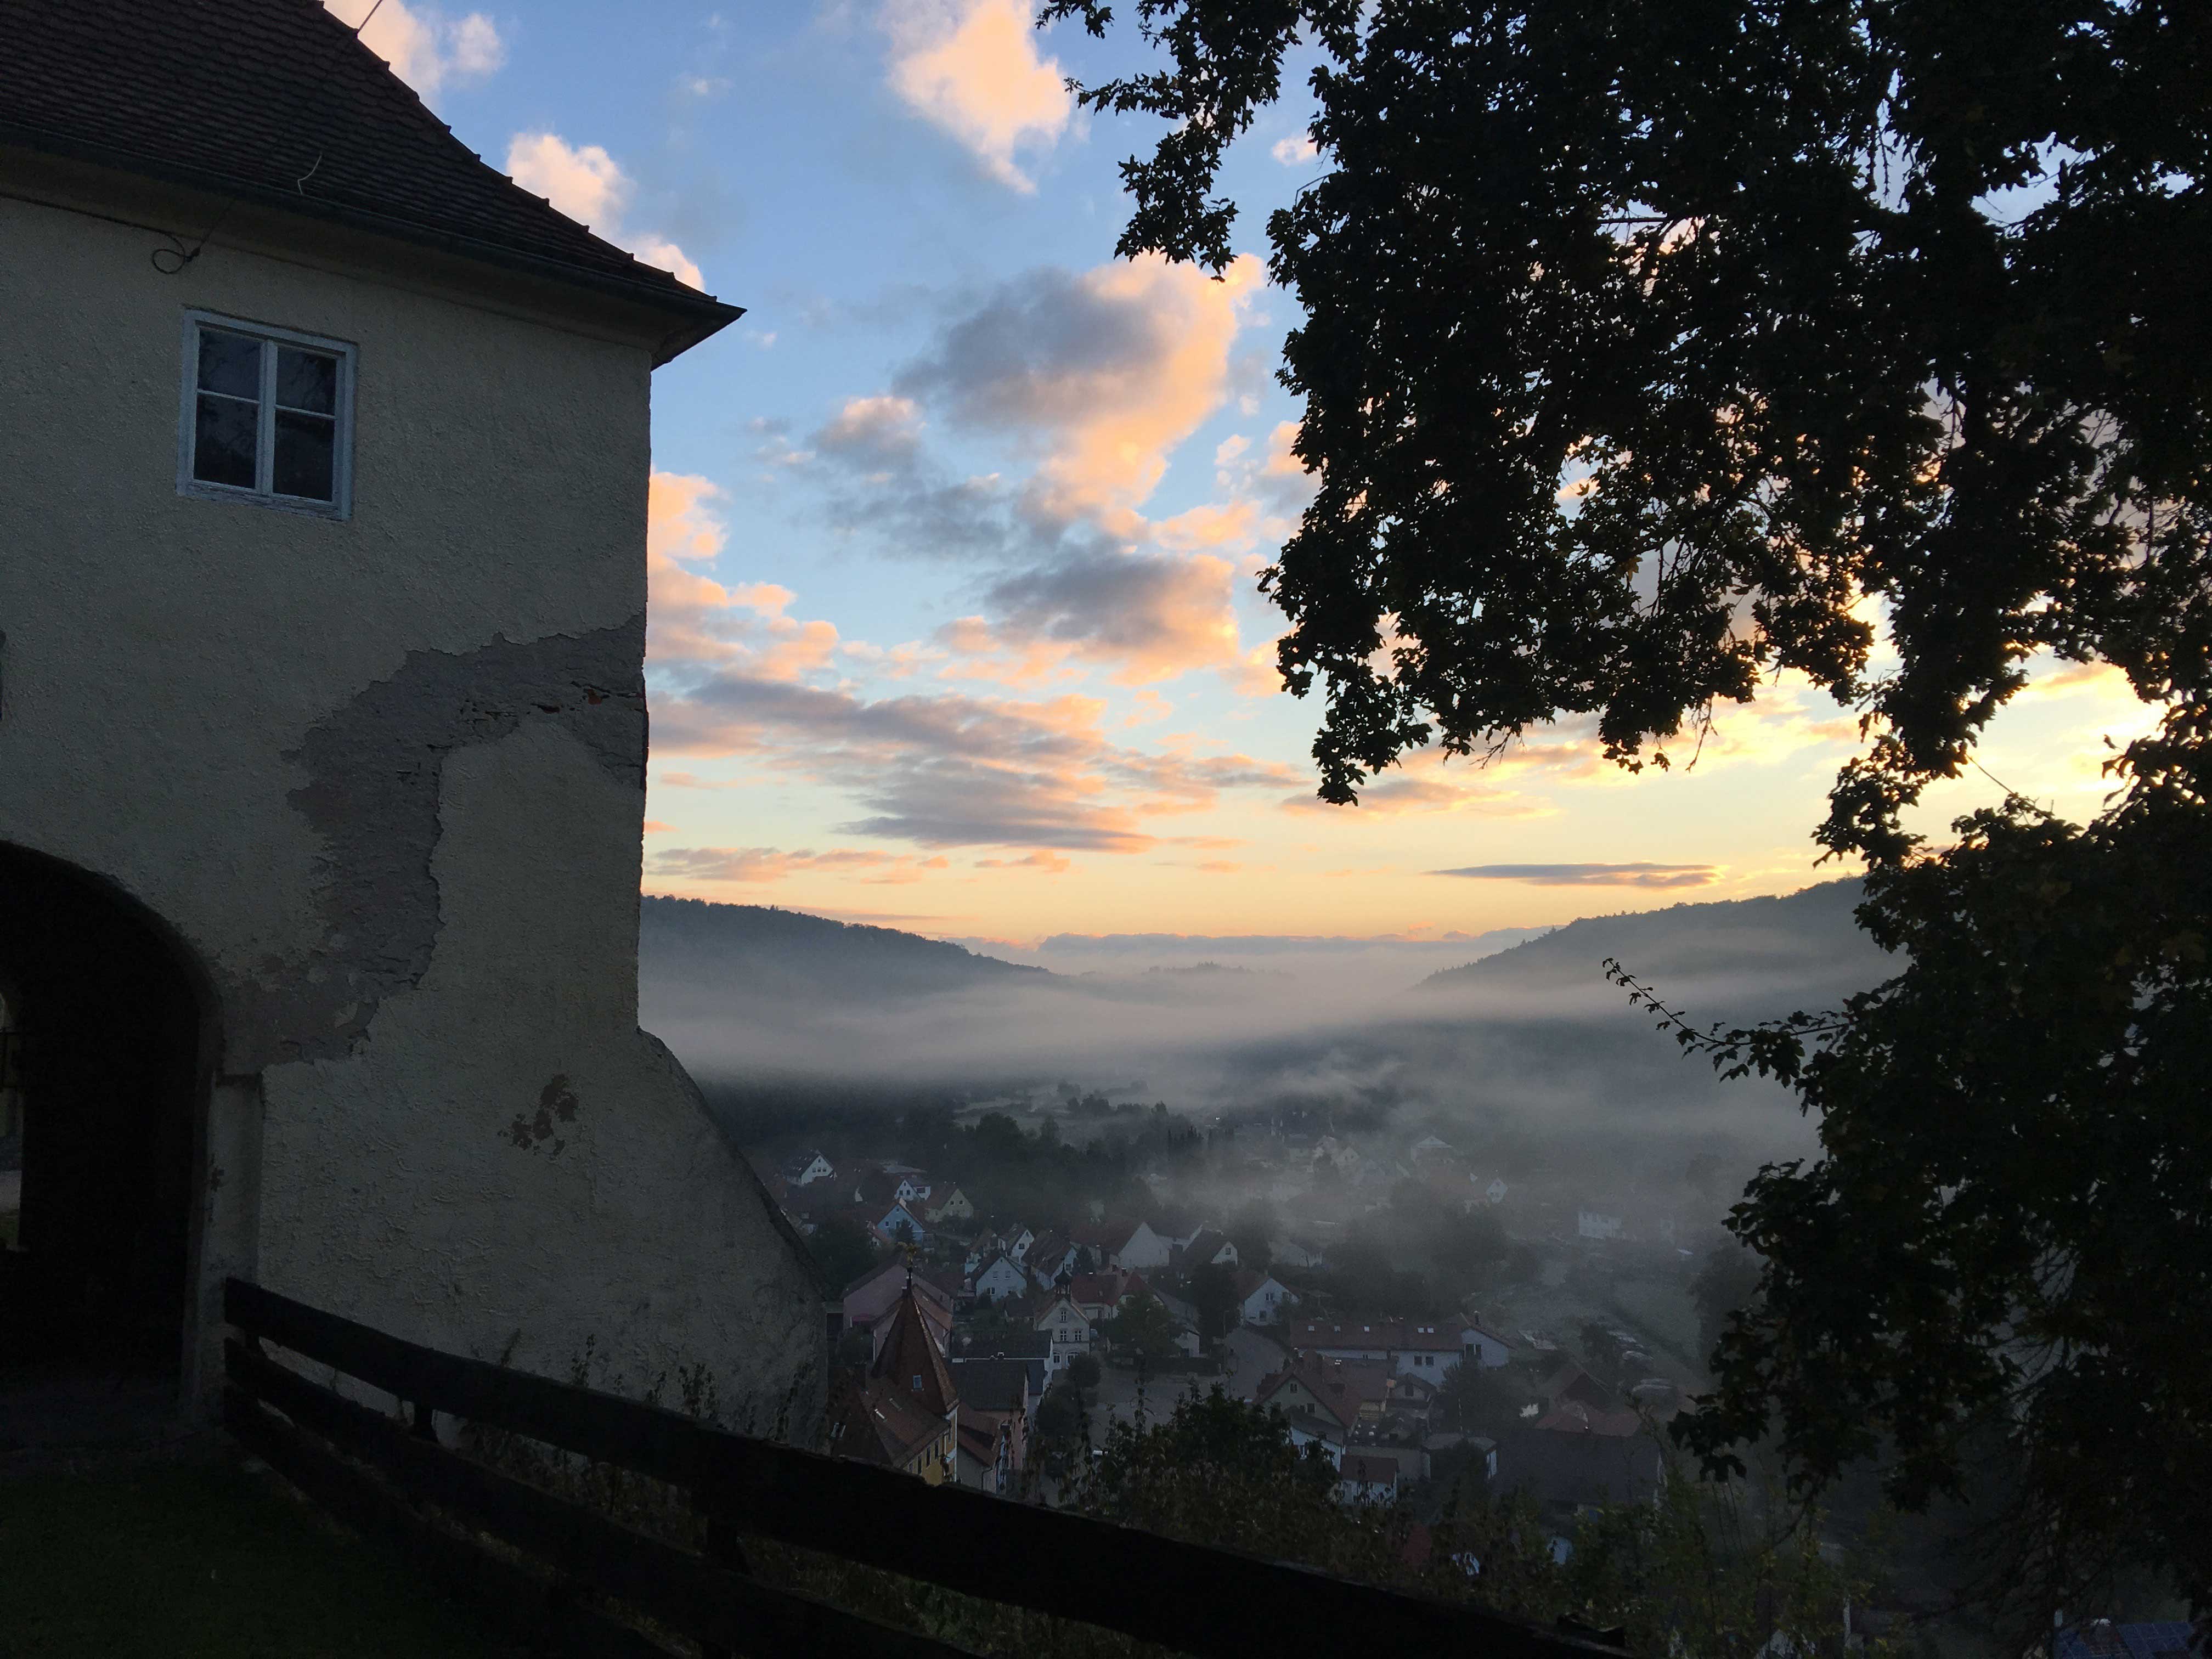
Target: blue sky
x=956, y=532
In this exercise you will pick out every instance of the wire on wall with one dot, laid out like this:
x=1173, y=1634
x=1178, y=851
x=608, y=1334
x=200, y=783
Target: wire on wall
x=171, y=258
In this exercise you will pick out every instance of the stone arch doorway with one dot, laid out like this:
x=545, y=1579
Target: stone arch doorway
x=108, y=1051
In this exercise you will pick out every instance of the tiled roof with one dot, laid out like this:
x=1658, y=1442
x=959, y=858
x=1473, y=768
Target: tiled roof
x=909, y=1360
x=277, y=103
x=992, y=1384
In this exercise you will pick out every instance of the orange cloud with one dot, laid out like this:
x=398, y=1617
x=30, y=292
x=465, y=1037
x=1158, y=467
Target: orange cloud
x=424, y=47
x=1051, y=863
x=692, y=618
x=586, y=183
x=950, y=769
x=770, y=864
x=970, y=68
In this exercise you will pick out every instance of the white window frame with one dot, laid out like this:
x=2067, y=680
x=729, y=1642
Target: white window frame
x=341, y=504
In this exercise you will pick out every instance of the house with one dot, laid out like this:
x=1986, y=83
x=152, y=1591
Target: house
x=1603, y=1223
x=980, y=1249
x=954, y=1209
x=1033, y=1347
x=1248, y=1356
x=1261, y=1299
x=1408, y=1347
x=809, y=1168
x=870, y=1300
x=1071, y=1333
x=899, y=1223
x=1099, y=1296
x=1481, y=1345
x=878, y=1188
x=1208, y=1248
x=1001, y=1280
x=1050, y=1258
x=903, y=1410
x=1367, y=1477
x=1018, y=1240
x=1293, y=1253
x=997, y=1397
x=1348, y=1393
x=1426, y=1351
x=1572, y=1457
x=1428, y=1149
x=1141, y=1250
x=323, y=752
x=1344, y=1339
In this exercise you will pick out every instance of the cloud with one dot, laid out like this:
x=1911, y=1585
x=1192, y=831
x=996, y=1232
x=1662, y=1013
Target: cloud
x=588, y=184
x=1149, y=616
x=1051, y=863
x=877, y=434
x=949, y=769
x=769, y=864
x=692, y=618
x=970, y=68
x=1297, y=151
x=1108, y=370
x=1592, y=875
x=424, y=47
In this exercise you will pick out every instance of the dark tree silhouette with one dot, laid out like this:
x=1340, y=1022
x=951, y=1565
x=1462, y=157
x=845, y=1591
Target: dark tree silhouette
x=1649, y=351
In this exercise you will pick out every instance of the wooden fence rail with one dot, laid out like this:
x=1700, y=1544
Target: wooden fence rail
x=1193, y=1599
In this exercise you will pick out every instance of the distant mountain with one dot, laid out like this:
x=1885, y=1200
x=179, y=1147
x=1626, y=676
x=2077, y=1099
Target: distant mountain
x=1803, y=942
x=763, y=952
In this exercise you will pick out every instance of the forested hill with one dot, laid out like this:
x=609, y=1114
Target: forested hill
x=1804, y=941
x=767, y=952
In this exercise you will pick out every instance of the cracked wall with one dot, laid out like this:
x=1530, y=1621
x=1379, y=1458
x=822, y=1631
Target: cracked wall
x=385, y=777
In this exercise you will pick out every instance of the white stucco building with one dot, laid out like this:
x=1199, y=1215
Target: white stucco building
x=323, y=729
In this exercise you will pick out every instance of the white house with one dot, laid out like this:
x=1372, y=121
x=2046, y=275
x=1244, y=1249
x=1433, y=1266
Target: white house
x=807, y=1168
x=1292, y=1254
x=323, y=758
x=1483, y=1347
x=1018, y=1240
x=1263, y=1298
x=901, y=1223
x=1143, y=1251
x=1002, y=1280
x=1429, y=1352
x=1208, y=1248
x=1487, y=1192
x=1071, y=1333
x=1600, y=1224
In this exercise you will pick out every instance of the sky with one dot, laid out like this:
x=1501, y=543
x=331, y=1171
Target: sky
x=954, y=537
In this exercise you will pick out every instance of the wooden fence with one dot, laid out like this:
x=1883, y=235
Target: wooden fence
x=391, y=1475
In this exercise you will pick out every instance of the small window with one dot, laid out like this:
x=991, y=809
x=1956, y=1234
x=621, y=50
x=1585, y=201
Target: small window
x=268, y=417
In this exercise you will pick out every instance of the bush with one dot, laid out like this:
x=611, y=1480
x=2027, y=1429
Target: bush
x=1083, y=1372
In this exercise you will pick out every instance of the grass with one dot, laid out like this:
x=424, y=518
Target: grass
x=187, y=1561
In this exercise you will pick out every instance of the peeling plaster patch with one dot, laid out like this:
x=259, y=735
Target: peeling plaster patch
x=374, y=767
x=556, y=1100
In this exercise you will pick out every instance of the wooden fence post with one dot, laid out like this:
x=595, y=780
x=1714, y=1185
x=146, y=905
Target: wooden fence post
x=725, y=1548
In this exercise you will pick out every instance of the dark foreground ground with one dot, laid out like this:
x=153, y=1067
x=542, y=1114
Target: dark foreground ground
x=199, y=1558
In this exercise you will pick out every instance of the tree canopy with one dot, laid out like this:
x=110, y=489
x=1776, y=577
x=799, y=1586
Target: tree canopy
x=1651, y=351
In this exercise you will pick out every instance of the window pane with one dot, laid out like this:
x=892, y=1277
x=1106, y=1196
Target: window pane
x=222, y=441
x=303, y=455
x=306, y=379
x=230, y=363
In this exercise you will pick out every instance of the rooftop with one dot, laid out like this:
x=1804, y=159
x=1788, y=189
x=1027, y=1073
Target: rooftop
x=276, y=102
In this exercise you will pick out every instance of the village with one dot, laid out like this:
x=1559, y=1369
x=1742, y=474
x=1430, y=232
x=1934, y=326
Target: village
x=1294, y=1273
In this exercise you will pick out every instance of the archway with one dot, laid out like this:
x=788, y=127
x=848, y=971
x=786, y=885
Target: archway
x=106, y=1051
